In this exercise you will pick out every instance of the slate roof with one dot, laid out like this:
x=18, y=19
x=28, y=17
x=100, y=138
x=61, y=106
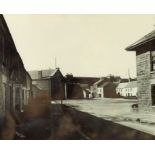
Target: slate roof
x=103, y=83
x=147, y=38
x=45, y=73
x=131, y=84
x=122, y=85
x=82, y=80
x=99, y=82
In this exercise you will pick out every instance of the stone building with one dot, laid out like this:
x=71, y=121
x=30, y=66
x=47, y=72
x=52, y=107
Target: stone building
x=145, y=61
x=15, y=82
x=49, y=81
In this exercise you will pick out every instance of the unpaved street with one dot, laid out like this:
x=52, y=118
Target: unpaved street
x=118, y=111
x=103, y=107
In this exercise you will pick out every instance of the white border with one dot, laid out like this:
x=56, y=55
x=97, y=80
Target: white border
x=78, y=6
x=77, y=147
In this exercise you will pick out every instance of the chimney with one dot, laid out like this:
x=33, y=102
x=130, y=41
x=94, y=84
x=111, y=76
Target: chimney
x=39, y=74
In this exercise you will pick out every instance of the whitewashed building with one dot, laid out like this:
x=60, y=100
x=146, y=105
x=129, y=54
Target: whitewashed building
x=131, y=89
x=127, y=89
x=121, y=89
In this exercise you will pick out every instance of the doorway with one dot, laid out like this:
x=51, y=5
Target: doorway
x=153, y=94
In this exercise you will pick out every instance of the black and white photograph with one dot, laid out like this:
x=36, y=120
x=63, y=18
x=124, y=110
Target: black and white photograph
x=77, y=76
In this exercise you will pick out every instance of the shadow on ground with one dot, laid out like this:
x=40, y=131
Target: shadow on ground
x=67, y=123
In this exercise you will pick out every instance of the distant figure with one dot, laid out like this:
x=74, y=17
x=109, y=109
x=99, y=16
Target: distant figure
x=135, y=107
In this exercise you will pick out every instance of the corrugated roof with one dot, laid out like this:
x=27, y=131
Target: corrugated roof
x=150, y=36
x=45, y=73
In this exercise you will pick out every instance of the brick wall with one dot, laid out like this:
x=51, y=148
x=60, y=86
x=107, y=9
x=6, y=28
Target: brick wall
x=143, y=81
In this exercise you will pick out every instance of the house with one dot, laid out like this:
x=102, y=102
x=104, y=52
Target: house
x=121, y=89
x=127, y=89
x=79, y=87
x=145, y=62
x=104, y=89
x=131, y=89
x=49, y=81
x=15, y=83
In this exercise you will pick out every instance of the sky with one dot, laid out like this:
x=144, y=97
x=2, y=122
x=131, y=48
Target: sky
x=84, y=45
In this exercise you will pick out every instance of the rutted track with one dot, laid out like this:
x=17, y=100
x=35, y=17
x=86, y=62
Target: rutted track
x=65, y=122
x=100, y=129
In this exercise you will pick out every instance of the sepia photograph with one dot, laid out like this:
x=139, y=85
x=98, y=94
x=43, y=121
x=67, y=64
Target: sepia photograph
x=77, y=76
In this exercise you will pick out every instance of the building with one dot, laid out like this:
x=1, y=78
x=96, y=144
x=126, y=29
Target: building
x=15, y=83
x=145, y=62
x=79, y=87
x=104, y=89
x=49, y=81
x=121, y=89
x=27, y=91
x=127, y=89
x=131, y=89
x=36, y=91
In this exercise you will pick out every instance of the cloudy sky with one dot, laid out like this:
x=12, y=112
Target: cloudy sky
x=85, y=45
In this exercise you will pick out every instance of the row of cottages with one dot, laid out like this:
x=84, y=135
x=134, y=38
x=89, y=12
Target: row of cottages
x=145, y=62
x=50, y=82
x=104, y=88
x=127, y=89
x=15, y=82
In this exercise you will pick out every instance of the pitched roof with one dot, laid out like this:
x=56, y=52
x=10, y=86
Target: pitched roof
x=122, y=85
x=131, y=84
x=82, y=80
x=99, y=82
x=104, y=83
x=45, y=73
x=149, y=37
x=5, y=29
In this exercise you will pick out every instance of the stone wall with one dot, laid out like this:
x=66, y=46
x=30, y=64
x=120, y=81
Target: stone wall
x=143, y=81
x=43, y=85
x=1, y=92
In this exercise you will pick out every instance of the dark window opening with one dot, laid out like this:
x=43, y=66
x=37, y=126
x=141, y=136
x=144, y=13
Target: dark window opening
x=153, y=61
x=153, y=94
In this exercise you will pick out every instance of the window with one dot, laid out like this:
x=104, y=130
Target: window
x=153, y=94
x=153, y=61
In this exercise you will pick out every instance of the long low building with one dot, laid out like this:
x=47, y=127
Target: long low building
x=15, y=82
x=127, y=89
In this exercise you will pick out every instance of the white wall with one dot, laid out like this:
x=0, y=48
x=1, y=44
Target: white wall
x=127, y=91
x=100, y=92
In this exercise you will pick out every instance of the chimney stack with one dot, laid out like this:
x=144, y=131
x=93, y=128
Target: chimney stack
x=39, y=74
